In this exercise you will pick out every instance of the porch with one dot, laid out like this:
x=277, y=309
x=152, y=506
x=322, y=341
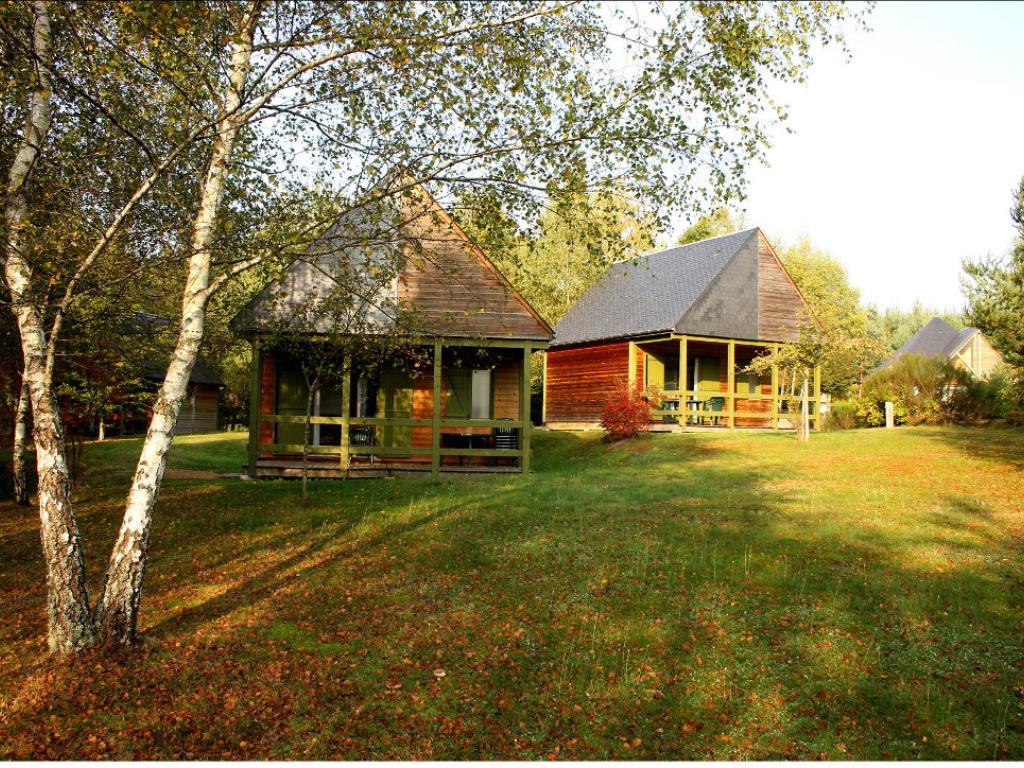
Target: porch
x=465, y=410
x=703, y=384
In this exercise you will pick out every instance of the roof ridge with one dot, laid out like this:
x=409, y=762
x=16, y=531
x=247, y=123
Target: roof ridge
x=718, y=275
x=683, y=245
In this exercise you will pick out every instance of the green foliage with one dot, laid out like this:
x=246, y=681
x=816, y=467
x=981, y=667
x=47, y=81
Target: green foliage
x=995, y=292
x=892, y=327
x=836, y=306
x=916, y=384
x=843, y=414
x=721, y=221
x=566, y=250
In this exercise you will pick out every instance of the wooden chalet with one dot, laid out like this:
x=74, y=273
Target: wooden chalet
x=687, y=322
x=967, y=348
x=468, y=410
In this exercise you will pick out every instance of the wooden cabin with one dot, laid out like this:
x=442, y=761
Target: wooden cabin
x=685, y=322
x=466, y=409
x=967, y=348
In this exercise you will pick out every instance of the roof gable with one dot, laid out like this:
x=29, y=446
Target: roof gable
x=728, y=306
x=933, y=340
x=446, y=282
x=729, y=287
x=650, y=294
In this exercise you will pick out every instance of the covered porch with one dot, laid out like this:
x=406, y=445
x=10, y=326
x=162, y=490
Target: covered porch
x=704, y=384
x=464, y=409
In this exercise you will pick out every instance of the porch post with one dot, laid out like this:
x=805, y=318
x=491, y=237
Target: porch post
x=524, y=412
x=346, y=396
x=254, y=406
x=683, y=418
x=731, y=384
x=775, y=397
x=682, y=365
x=544, y=391
x=817, y=397
x=631, y=367
x=435, y=424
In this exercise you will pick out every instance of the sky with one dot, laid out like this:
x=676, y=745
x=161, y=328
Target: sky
x=903, y=160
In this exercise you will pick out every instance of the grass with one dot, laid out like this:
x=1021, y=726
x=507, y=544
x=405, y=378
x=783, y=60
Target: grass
x=684, y=596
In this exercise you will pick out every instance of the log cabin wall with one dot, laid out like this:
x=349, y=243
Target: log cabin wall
x=454, y=289
x=581, y=380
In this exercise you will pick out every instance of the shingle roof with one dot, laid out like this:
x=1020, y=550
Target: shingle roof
x=936, y=339
x=650, y=294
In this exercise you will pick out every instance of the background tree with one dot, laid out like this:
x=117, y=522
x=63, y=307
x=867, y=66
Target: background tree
x=837, y=307
x=721, y=221
x=798, y=360
x=892, y=327
x=558, y=257
x=994, y=287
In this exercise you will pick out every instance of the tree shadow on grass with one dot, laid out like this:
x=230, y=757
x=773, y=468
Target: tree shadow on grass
x=668, y=598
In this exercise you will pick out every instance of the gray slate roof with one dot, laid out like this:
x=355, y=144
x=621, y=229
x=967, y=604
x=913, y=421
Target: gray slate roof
x=936, y=339
x=649, y=295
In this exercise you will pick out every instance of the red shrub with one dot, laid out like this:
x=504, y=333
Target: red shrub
x=627, y=414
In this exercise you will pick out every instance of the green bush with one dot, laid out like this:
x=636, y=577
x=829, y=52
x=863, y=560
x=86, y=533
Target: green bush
x=844, y=414
x=929, y=391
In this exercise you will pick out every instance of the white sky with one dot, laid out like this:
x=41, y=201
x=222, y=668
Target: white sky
x=903, y=160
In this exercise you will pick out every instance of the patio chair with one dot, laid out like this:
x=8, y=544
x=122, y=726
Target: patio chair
x=715, y=405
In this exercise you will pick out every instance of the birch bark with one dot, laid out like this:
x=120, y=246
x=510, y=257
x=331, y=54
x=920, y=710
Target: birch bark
x=67, y=603
x=118, y=605
x=18, y=450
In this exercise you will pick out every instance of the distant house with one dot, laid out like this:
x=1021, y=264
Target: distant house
x=686, y=321
x=967, y=348
x=469, y=411
x=200, y=411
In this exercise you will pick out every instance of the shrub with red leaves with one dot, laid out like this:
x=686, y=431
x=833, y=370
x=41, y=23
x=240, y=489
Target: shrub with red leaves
x=627, y=414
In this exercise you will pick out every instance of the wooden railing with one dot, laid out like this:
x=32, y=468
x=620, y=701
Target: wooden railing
x=729, y=413
x=347, y=449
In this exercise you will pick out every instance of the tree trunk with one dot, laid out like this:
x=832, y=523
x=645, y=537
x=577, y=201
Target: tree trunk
x=67, y=601
x=101, y=431
x=805, y=416
x=118, y=606
x=305, y=448
x=20, y=439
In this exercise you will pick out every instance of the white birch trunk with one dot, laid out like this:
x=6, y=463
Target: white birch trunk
x=805, y=417
x=118, y=605
x=20, y=441
x=67, y=602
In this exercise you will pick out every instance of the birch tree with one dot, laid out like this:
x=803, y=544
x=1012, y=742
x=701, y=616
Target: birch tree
x=337, y=95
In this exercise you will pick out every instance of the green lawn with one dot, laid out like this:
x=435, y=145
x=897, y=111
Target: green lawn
x=685, y=596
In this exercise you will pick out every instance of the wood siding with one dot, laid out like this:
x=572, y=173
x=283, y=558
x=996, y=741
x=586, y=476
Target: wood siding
x=199, y=411
x=455, y=290
x=581, y=380
x=781, y=307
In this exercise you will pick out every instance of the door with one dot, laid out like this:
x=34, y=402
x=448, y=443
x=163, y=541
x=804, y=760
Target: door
x=291, y=401
x=394, y=401
x=707, y=374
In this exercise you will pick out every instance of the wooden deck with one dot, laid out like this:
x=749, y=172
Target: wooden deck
x=290, y=468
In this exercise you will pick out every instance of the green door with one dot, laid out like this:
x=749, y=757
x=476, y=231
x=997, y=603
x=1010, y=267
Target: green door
x=291, y=401
x=708, y=375
x=655, y=369
x=394, y=401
